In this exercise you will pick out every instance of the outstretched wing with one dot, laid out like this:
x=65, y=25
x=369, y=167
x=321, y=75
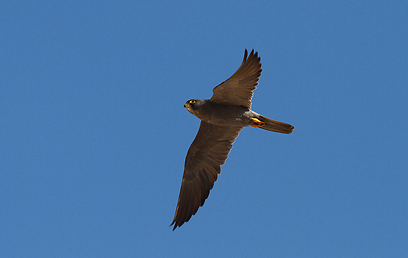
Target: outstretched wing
x=205, y=156
x=237, y=90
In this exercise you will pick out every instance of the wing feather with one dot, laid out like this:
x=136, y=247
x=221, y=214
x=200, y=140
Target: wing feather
x=205, y=156
x=238, y=89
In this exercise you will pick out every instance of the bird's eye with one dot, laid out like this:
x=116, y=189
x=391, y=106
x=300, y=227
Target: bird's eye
x=192, y=101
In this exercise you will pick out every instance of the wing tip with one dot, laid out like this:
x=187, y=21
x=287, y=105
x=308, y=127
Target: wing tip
x=175, y=225
x=252, y=58
x=253, y=53
x=245, y=55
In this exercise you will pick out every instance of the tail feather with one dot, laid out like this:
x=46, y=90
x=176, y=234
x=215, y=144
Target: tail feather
x=275, y=126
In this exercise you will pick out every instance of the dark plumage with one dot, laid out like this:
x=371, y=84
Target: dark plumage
x=222, y=118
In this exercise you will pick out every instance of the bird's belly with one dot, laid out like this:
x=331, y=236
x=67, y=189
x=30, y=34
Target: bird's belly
x=229, y=122
x=230, y=116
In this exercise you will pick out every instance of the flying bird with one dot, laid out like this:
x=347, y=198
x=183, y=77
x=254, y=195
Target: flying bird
x=222, y=118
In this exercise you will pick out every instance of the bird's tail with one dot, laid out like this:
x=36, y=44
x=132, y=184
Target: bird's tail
x=272, y=125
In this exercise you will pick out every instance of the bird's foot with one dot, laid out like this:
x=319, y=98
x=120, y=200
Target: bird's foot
x=257, y=122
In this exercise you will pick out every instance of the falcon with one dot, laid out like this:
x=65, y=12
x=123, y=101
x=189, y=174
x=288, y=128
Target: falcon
x=222, y=118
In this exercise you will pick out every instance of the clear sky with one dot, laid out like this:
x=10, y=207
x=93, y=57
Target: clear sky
x=93, y=133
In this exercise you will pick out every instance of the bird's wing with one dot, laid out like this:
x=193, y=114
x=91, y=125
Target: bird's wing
x=205, y=156
x=237, y=90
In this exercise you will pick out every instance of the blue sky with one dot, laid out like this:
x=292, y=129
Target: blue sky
x=93, y=131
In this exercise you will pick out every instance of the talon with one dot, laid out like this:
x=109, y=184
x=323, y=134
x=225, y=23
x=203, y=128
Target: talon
x=257, y=122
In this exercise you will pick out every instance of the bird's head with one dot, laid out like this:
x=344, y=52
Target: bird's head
x=190, y=104
x=194, y=105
